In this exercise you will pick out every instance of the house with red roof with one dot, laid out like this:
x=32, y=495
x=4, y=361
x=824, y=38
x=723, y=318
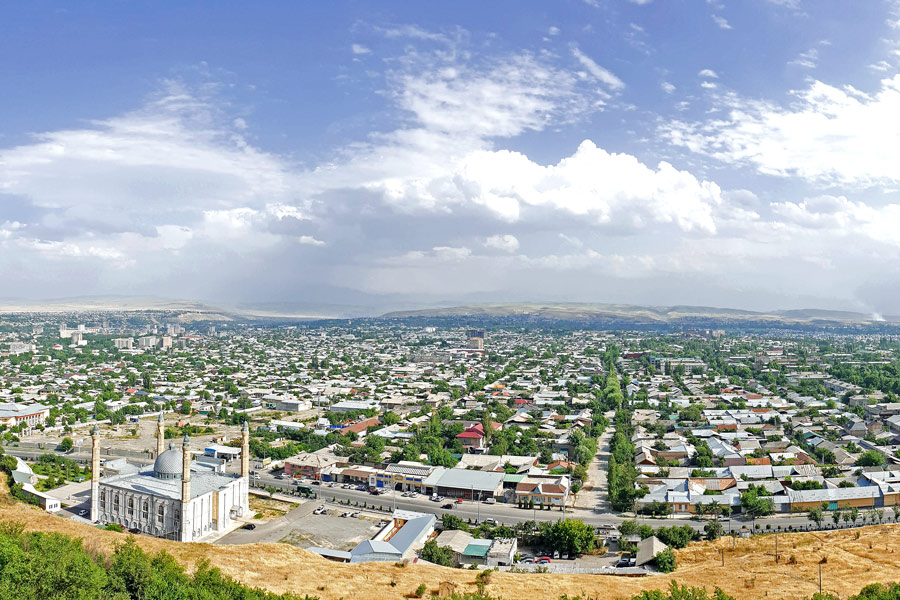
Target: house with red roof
x=474, y=439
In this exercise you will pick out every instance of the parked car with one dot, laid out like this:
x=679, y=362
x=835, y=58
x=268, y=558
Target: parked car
x=82, y=513
x=448, y=506
x=249, y=526
x=332, y=484
x=134, y=530
x=490, y=521
x=544, y=560
x=355, y=515
x=345, y=515
x=490, y=501
x=459, y=500
x=321, y=510
x=527, y=560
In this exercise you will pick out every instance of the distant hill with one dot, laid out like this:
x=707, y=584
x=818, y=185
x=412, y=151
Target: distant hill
x=626, y=313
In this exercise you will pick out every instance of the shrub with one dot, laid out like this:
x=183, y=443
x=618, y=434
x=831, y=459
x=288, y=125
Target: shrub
x=665, y=561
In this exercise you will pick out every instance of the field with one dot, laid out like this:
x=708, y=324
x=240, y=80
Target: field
x=750, y=570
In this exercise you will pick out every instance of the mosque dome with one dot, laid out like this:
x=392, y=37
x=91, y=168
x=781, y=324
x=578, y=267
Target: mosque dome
x=169, y=465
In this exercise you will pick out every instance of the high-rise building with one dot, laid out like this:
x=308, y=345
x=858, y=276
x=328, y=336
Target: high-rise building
x=476, y=339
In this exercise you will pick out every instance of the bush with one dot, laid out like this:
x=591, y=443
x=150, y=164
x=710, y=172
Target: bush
x=114, y=527
x=665, y=561
x=420, y=591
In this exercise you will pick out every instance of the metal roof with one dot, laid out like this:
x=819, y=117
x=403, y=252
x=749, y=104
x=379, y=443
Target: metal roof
x=477, y=548
x=467, y=479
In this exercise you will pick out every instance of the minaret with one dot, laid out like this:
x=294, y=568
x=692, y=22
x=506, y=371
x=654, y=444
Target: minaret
x=244, y=485
x=160, y=435
x=245, y=451
x=95, y=474
x=186, y=528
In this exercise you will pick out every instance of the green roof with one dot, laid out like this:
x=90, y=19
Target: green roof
x=476, y=549
x=514, y=477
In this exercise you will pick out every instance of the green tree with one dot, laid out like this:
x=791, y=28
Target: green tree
x=570, y=536
x=713, y=530
x=439, y=555
x=871, y=458
x=665, y=561
x=66, y=444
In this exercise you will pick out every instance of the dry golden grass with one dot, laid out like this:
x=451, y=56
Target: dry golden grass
x=270, y=508
x=750, y=571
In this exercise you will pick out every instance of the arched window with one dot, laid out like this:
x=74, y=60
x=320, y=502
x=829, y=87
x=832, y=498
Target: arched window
x=103, y=500
x=160, y=512
x=116, y=503
x=131, y=507
x=145, y=510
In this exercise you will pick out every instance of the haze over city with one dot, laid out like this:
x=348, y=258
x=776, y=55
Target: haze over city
x=723, y=154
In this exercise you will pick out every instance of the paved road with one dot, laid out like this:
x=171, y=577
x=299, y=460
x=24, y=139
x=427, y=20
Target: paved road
x=509, y=514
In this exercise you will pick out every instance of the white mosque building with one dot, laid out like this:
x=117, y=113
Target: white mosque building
x=178, y=499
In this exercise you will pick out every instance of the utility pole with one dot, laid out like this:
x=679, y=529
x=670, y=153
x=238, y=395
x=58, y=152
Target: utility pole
x=479, y=507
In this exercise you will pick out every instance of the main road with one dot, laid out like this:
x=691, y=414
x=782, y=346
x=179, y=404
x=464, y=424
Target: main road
x=507, y=514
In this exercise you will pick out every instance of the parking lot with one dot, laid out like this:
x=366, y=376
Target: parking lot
x=303, y=528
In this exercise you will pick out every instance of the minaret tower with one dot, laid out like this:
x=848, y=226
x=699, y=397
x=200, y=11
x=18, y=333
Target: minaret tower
x=245, y=451
x=160, y=435
x=186, y=526
x=95, y=474
x=245, y=468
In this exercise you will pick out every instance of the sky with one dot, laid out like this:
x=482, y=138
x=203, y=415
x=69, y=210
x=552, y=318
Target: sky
x=658, y=152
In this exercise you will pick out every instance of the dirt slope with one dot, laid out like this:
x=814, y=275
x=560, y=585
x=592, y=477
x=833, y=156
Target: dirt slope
x=750, y=571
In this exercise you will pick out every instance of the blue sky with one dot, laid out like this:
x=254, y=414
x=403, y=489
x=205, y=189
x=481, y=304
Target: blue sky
x=653, y=152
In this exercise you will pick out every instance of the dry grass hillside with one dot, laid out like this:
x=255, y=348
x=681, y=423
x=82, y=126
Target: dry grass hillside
x=750, y=571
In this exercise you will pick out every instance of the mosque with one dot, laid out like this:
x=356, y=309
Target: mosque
x=178, y=499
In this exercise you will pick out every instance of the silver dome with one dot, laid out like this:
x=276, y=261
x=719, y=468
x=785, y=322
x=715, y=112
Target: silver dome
x=168, y=465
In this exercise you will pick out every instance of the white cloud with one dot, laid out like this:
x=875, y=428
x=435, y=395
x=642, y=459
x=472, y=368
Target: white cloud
x=309, y=240
x=708, y=85
x=829, y=135
x=607, y=188
x=807, y=60
x=721, y=22
x=667, y=87
x=505, y=242
x=553, y=31
x=597, y=72
x=360, y=49
x=708, y=73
